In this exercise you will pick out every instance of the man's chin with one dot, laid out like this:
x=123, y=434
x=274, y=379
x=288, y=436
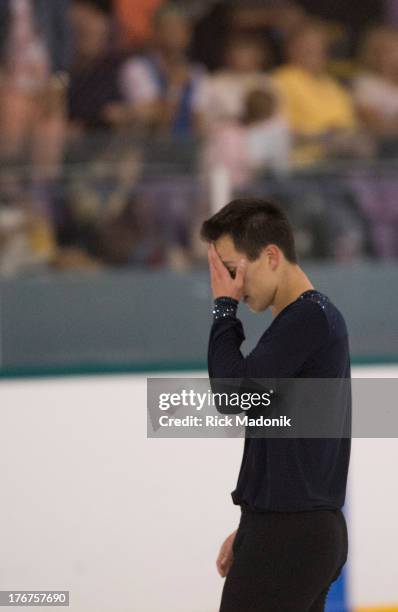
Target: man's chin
x=253, y=307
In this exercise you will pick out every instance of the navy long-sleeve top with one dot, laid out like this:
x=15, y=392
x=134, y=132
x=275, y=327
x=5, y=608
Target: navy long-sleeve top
x=307, y=339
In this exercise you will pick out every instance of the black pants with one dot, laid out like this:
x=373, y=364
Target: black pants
x=285, y=561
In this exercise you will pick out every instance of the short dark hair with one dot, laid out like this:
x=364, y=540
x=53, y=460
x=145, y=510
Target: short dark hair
x=103, y=6
x=252, y=223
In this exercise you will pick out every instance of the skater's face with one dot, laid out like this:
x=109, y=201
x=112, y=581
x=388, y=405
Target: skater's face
x=262, y=274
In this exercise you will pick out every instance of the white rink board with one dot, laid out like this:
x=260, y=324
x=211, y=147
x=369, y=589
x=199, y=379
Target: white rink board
x=126, y=523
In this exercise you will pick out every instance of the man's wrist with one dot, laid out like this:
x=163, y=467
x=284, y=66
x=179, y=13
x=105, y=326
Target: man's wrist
x=224, y=306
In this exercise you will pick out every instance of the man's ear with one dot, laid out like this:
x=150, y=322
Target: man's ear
x=273, y=255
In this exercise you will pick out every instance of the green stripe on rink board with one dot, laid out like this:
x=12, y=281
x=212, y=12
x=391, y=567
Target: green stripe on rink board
x=100, y=369
x=143, y=368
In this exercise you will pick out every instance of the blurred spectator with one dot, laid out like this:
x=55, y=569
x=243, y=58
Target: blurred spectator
x=129, y=239
x=272, y=20
x=258, y=142
x=376, y=191
x=355, y=16
x=320, y=111
x=391, y=12
x=223, y=94
x=161, y=87
x=49, y=20
x=100, y=219
x=135, y=19
x=210, y=34
x=35, y=52
x=22, y=238
x=376, y=94
x=376, y=87
x=94, y=84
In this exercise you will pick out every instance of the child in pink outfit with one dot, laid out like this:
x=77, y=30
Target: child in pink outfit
x=259, y=141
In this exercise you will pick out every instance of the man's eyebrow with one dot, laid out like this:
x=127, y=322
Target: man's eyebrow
x=228, y=262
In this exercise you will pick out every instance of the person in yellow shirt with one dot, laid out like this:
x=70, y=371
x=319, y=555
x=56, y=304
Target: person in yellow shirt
x=319, y=110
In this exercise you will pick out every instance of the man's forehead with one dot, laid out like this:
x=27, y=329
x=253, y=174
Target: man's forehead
x=226, y=249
